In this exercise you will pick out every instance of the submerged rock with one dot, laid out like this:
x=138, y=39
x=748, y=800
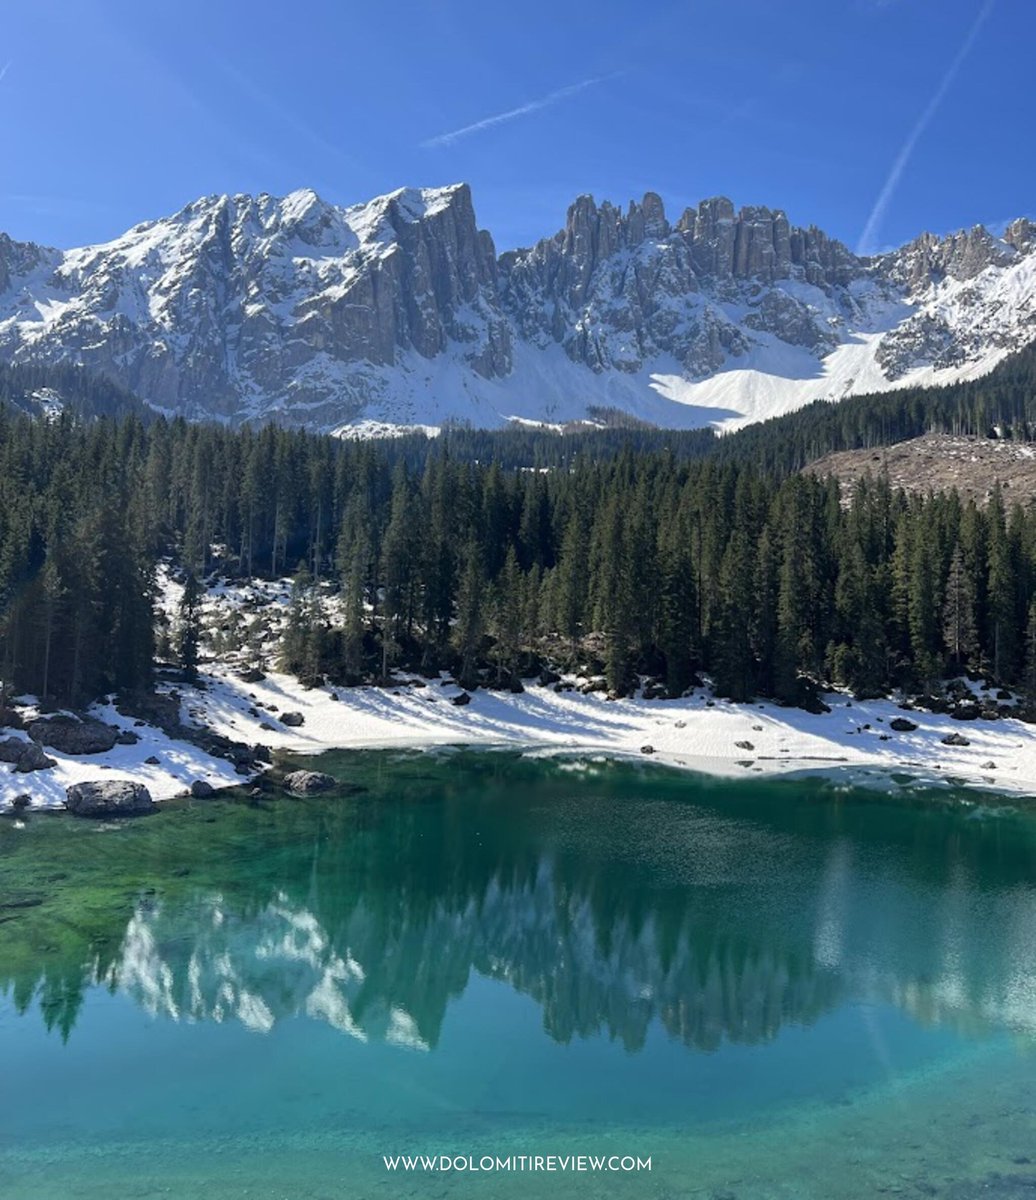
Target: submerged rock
x=308, y=783
x=109, y=798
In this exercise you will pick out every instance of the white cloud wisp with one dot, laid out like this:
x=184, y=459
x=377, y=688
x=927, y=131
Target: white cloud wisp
x=869, y=235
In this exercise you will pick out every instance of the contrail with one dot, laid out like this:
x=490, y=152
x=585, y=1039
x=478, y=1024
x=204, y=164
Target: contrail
x=899, y=166
x=5, y=68
x=447, y=139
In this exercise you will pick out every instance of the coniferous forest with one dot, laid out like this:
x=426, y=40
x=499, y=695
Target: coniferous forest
x=649, y=553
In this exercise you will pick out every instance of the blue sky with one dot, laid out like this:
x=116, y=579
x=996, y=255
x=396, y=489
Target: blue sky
x=870, y=118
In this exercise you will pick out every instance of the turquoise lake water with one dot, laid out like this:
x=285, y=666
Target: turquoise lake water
x=770, y=989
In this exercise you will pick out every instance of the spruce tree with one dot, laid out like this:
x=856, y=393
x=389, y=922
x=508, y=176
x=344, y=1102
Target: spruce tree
x=188, y=626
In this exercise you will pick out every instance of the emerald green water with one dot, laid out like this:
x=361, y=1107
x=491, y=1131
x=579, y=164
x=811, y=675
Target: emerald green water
x=771, y=989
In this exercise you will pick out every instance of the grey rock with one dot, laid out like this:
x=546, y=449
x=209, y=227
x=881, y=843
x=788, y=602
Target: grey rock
x=11, y=749
x=72, y=736
x=33, y=758
x=127, y=738
x=955, y=739
x=744, y=745
x=647, y=749
x=293, y=719
x=461, y=700
x=21, y=801
x=902, y=725
x=153, y=760
x=309, y=783
x=24, y=756
x=109, y=798
x=202, y=790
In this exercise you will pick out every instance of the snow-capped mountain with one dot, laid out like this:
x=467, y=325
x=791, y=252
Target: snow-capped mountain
x=399, y=312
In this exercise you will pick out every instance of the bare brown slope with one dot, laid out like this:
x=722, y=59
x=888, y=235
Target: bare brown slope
x=940, y=461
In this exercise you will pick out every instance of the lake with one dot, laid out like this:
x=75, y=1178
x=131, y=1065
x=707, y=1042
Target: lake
x=790, y=989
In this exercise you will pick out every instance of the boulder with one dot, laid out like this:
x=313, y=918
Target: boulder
x=109, y=798
x=21, y=801
x=201, y=790
x=153, y=760
x=69, y=735
x=11, y=749
x=647, y=749
x=294, y=719
x=251, y=675
x=127, y=738
x=308, y=783
x=955, y=739
x=11, y=718
x=744, y=745
x=33, y=758
x=462, y=699
x=902, y=725
x=547, y=677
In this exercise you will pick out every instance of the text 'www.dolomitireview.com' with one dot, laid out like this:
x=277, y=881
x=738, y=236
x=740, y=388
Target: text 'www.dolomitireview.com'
x=516, y=1162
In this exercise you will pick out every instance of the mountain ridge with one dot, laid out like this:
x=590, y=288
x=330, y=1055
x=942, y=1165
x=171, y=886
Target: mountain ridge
x=400, y=312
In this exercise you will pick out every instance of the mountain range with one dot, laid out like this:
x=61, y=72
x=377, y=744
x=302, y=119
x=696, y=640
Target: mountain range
x=400, y=312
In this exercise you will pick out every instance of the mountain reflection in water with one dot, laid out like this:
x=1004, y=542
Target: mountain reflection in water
x=617, y=898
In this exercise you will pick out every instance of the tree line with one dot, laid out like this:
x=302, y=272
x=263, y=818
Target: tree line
x=638, y=563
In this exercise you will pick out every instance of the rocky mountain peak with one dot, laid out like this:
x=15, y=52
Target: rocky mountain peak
x=1021, y=234
x=929, y=259
x=399, y=309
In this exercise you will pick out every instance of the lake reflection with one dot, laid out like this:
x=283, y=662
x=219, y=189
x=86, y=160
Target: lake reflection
x=618, y=899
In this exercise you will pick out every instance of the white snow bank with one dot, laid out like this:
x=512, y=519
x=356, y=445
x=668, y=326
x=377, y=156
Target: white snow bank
x=180, y=763
x=695, y=732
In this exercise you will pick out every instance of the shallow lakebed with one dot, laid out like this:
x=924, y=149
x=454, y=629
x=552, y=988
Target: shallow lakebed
x=772, y=988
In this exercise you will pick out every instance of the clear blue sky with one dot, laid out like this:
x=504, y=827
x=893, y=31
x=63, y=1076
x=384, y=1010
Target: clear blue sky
x=116, y=111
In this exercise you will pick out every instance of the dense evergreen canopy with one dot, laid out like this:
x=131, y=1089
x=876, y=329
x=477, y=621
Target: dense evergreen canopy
x=634, y=551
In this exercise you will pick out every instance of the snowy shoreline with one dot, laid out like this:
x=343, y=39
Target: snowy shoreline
x=696, y=732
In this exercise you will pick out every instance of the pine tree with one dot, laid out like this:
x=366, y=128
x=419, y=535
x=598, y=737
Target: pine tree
x=959, y=630
x=188, y=628
x=471, y=616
